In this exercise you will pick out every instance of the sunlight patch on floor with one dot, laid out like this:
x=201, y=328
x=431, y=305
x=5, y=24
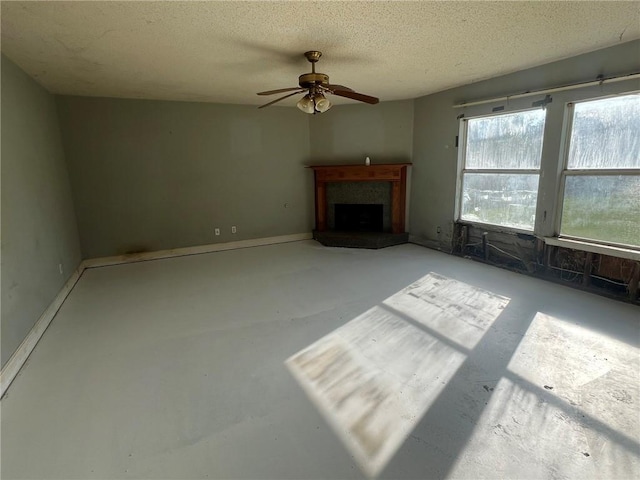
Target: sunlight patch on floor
x=502, y=444
x=586, y=355
x=586, y=369
x=560, y=383
x=374, y=378
x=461, y=312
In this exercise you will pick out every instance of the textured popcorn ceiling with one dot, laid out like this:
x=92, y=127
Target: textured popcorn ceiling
x=227, y=51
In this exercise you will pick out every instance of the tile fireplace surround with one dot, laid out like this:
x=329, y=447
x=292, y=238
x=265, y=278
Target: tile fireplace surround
x=395, y=174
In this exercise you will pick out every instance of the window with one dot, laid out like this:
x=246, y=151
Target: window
x=500, y=168
x=601, y=179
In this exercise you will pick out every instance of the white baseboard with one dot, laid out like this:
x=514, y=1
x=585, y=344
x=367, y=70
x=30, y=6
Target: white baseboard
x=20, y=356
x=180, y=252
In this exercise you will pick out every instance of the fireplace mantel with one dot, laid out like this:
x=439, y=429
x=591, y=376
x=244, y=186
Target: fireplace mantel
x=396, y=173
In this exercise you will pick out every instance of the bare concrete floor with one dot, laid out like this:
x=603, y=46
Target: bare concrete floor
x=300, y=361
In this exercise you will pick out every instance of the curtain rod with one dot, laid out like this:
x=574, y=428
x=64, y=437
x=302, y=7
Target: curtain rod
x=573, y=86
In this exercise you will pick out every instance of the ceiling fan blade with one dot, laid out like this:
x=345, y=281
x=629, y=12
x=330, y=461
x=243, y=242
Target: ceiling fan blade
x=338, y=87
x=281, y=98
x=356, y=96
x=282, y=90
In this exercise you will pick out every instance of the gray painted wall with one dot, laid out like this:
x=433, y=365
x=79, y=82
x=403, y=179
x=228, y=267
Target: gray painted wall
x=436, y=126
x=39, y=229
x=151, y=175
x=348, y=133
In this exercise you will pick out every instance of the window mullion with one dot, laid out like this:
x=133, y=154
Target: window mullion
x=462, y=160
x=595, y=172
x=531, y=171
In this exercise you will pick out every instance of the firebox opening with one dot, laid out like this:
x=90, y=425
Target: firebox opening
x=358, y=217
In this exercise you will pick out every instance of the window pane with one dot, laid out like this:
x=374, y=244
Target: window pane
x=511, y=141
x=503, y=199
x=606, y=133
x=605, y=208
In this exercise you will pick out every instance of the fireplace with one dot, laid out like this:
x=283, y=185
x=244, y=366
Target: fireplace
x=360, y=205
x=358, y=217
x=358, y=193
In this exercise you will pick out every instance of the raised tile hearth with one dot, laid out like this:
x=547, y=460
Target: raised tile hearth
x=360, y=239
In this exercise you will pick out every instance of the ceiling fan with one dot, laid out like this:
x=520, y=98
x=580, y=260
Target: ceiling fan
x=316, y=85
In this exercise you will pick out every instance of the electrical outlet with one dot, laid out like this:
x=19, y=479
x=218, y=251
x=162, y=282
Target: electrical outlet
x=217, y=231
x=438, y=229
x=233, y=229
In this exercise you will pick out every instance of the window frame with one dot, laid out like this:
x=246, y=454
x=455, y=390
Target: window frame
x=565, y=171
x=461, y=170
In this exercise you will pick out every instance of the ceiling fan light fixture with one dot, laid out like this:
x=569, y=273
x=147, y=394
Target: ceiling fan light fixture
x=322, y=103
x=306, y=104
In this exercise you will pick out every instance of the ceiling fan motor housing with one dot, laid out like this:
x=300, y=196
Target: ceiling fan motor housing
x=308, y=80
x=313, y=55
